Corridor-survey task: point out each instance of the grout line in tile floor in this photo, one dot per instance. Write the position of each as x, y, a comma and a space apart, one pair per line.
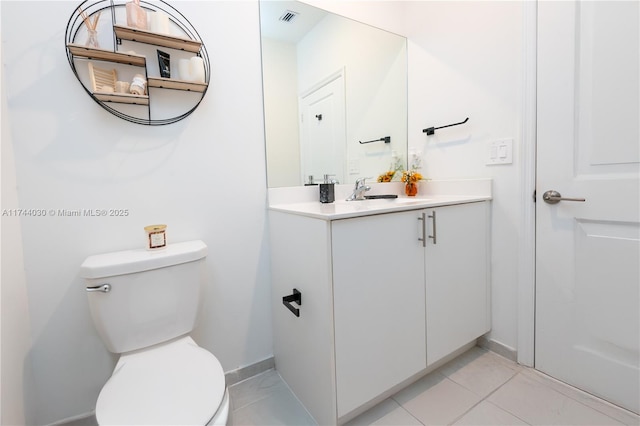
485, 400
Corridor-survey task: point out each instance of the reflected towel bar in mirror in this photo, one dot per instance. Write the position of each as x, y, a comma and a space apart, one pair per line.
386, 139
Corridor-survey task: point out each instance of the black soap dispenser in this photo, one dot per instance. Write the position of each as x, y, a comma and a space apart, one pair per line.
327, 193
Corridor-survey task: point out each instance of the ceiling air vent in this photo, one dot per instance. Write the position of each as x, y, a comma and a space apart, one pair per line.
288, 16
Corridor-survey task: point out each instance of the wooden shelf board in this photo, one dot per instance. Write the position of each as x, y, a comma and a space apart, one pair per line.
164, 40
122, 98
106, 55
172, 83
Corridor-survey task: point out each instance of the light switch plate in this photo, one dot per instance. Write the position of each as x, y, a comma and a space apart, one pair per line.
500, 152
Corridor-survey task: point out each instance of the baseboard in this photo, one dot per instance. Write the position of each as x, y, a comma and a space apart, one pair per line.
243, 373
499, 348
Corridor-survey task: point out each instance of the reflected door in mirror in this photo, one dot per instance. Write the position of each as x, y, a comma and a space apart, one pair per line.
322, 139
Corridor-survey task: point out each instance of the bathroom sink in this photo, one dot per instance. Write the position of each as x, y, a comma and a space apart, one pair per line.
412, 200
408, 200
384, 202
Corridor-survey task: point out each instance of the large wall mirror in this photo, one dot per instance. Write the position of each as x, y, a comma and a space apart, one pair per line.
335, 94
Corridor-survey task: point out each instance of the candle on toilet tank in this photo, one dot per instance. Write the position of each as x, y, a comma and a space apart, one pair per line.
156, 236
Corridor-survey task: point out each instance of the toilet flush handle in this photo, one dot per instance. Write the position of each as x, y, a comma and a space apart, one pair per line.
104, 288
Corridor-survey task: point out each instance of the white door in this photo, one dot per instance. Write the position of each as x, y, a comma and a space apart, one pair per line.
323, 137
588, 253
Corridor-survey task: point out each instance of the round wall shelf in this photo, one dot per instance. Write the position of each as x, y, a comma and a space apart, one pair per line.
141, 61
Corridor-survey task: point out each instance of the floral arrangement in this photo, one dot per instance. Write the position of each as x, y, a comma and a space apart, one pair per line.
411, 176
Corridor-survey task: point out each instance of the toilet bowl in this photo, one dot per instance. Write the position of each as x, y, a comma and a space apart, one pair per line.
144, 306
175, 383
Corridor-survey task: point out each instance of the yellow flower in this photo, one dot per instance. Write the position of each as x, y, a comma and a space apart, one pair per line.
387, 176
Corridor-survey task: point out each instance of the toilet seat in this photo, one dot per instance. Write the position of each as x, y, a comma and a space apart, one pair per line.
177, 383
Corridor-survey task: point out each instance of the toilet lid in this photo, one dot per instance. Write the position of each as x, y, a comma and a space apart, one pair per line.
178, 383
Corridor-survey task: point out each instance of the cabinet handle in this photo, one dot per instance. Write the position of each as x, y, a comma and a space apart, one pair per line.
433, 219
295, 297
424, 230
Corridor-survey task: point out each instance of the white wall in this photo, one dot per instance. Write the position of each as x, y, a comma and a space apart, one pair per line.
203, 176
14, 308
465, 60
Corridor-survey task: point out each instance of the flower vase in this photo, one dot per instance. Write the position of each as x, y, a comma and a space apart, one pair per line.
92, 39
411, 189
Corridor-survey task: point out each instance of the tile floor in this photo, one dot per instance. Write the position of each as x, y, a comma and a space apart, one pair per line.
477, 388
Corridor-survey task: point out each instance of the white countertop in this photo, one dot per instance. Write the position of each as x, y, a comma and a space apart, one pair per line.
304, 200
341, 209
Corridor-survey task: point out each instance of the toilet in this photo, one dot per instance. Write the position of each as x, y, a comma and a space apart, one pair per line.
144, 305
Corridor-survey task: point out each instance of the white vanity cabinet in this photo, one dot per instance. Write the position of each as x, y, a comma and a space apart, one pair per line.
378, 304
457, 255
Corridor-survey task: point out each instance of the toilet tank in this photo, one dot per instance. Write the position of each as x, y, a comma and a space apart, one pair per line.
151, 296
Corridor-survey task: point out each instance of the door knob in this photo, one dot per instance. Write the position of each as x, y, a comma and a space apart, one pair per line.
554, 197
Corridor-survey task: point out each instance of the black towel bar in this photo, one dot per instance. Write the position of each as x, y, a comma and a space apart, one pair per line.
432, 130
295, 297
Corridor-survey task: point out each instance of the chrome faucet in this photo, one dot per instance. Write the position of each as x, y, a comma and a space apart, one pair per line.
359, 190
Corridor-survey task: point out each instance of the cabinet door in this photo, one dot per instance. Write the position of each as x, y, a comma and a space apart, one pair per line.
456, 269
378, 289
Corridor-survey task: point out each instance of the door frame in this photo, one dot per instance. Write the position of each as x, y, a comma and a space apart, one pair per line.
527, 246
